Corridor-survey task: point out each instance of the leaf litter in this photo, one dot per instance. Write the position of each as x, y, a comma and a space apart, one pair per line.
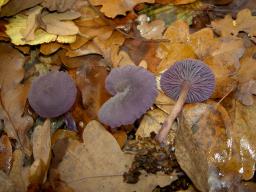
211, 145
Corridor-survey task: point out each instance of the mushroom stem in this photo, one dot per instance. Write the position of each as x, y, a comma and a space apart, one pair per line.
163, 133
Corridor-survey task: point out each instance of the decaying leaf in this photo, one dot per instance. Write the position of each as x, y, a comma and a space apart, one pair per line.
203, 145
60, 23
90, 80
3, 2
5, 154
18, 23
81, 168
18, 173
13, 96
41, 141
6, 183
246, 91
221, 54
152, 30
59, 5
14, 6
49, 48
245, 22
112, 8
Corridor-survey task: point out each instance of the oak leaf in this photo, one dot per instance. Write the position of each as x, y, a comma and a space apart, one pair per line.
17, 26
245, 22
99, 164
112, 8
13, 96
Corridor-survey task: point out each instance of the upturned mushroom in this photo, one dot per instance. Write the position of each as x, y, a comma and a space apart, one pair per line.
187, 81
134, 91
53, 94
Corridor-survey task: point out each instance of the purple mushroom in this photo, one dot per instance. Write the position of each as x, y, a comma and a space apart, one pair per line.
134, 90
187, 81
53, 94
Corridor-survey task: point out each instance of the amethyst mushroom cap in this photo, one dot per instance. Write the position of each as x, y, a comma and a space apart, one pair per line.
53, 94
187, 81
134, 91
192, 71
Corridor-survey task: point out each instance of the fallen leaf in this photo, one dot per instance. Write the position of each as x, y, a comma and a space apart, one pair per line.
3, 2
6, 183
5, 154
204, 146
151, 122
81, 164
59, 5
243, 135
245, 22
246, 91
32, 23
49, 48
13, 96
14, 6
41, 141
62, 134
121, 137
113, 8
18, 23
18, 173
90, 80
152, 30
60, 23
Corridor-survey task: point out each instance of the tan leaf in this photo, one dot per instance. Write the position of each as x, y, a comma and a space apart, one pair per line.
14, 6
6, 183
80, 167
18, 24
18, 173
112, 8
13, 96
49, 48
61, 23
41, 141
5, 154
152, 30
58, 5
204, 147
244, 22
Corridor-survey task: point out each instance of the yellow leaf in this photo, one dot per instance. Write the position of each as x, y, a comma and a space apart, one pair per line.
17, 26
3, 2
112, 8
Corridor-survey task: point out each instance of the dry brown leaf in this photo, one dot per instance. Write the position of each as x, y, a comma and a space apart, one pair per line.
13, 96
90, 80
244, 22
18, 173
41, 141
62, 134
59, 5
32, 23
151, 122
112, 8
60, 23
246, 91
49, 48
14, 6
243, 134
204, 146
121, 137
5, 154
152, 30
99, 164
6, 183
221, 54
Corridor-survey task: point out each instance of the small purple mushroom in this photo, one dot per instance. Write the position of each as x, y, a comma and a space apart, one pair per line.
53, 94
187, 81
134, 90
